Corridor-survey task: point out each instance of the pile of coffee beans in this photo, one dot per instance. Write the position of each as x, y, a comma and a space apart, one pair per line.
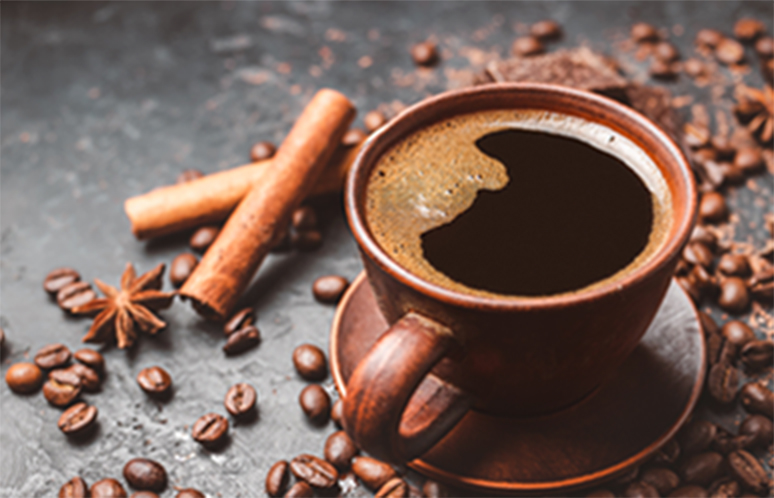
67, 288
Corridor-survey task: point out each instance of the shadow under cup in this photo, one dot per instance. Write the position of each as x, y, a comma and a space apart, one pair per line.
524, 356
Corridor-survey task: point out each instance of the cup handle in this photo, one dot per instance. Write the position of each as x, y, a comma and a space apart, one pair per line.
395, 409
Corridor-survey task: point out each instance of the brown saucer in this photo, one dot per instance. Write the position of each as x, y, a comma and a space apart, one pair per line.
618, 426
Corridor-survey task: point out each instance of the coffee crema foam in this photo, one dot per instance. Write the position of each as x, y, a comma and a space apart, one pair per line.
432, 176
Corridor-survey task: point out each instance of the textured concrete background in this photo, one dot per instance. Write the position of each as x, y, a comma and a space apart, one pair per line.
104, 101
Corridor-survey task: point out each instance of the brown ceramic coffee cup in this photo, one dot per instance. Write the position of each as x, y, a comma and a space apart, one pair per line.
448, 351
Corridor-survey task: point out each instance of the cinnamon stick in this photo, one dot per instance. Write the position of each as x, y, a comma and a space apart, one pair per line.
210, 199
230, 263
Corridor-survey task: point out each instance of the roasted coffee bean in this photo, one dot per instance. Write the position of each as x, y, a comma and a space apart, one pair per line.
24, 378
300, 490
724, 147
760, 428
314, 471
74, 488
748, 30
709, 37
315, 403
644, 32
91, 359
697, 136
748, 470
59, 279
190, 493
107, 488
144, 494
424, 53
702, 468
666, 52
703, 281
203, 238
181, 268
89, 379
736, 335
725, 488
434, 489
757, 355
210, 429
708, 324
261, 151
546, 30
527, 46
729, 52
663, 70
66, 376
337, 412
698, 254
734, 265
764, 47
77, 419
372, 472
664, 480
640, 490
668, 454
394, 488
242, 340
339, 450
713, 208
723, 382
60, 394
374, 120
725, 442
714, 347
142, 473
353, 136
763, 292
748, 159
310, 362
240, 399
239, 320
74, 295
53, 356
689, 286
734, 296
731, 174
307, 240
601, 493
330, 288
277, 479
189, 175
696, 436
304, 218
757, 398
694, 68
154, 380
689, 492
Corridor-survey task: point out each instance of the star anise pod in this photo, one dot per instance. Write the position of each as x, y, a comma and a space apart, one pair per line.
129, 310
755, 109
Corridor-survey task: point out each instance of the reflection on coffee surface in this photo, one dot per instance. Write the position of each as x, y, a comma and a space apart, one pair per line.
521, 203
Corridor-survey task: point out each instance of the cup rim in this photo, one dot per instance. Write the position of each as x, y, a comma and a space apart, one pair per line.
638, 122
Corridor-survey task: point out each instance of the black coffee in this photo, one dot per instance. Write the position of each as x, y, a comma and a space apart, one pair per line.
570, 215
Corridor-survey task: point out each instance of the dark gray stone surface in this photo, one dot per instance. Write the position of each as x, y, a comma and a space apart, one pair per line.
104, 101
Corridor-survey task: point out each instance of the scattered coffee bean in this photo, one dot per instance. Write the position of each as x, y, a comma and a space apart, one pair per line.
277, 479
527, 46
757, 355
190, 493
725, 442
74, 488
240, 399
689, 492
434, 489
24, 378
709, 38
748, 30
77, 419
372, 472
731, 174
662, 479
757, 398
663, 70
91, 359
310, 362
60, 278
374, 120
546, 30
698, 254
339, 450
748, 159
262, 151
239, 320
307, 240
394, 488
107, 488
764, 47
181, 268
74, 295
142, 473
734, 265
723, 382
694, 68
703, 281
712, 208
353, 136
702, 468
668, 454
60, 394
210, 429
242, 340
144, 494
304, 218
696, 136
666, 52
52, 356
734, 296
644, 32
424, 54
703, 235
315, 403
203, 238
89, 379
760, 428
640, 490
314, 471
330, 288
725, 488
749, 471
696, 436
737, 334
729, 52
189, 175
337, 412
724, 147
300, 490
154, 380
